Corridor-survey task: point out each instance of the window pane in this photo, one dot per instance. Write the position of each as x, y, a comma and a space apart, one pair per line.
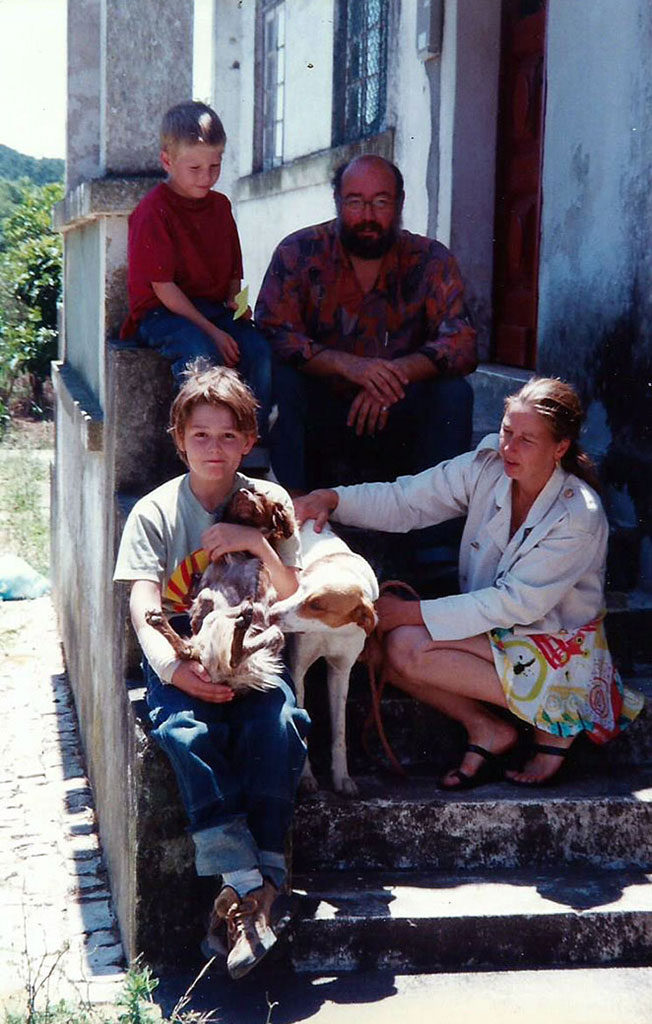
373, 12
354, 60
373, 52
278, 143
371, 101
360, 65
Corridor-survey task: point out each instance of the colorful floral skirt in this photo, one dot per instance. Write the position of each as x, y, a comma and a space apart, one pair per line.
564, 683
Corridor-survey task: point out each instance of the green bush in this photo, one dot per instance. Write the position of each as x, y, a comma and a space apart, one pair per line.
30, 286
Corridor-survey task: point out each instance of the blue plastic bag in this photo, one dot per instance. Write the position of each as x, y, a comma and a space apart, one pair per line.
18, 581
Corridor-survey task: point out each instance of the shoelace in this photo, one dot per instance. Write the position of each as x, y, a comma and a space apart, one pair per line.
237, 915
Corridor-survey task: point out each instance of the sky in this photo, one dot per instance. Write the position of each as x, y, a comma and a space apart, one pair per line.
33, 74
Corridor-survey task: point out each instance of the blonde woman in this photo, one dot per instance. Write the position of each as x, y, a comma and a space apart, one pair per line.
526, 632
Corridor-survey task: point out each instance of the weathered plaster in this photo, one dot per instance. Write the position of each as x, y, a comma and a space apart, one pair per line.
146, 67
83, 112
595, 300
227, 87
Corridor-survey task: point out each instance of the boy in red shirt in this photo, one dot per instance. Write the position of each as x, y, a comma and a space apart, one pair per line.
185, 263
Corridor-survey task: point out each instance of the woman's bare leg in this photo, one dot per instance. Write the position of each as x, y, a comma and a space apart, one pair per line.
455, 677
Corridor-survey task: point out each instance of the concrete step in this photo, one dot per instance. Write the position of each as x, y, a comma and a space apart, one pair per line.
455, 922
603, 820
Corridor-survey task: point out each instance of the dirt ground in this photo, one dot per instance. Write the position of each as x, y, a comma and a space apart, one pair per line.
26, 432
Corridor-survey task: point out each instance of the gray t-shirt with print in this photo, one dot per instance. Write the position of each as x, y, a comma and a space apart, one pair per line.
165, 527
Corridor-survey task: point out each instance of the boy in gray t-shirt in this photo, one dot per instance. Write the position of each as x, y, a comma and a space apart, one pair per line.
237, 762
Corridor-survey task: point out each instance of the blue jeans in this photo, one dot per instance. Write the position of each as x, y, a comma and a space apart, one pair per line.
180, 341
237, 766
311, 445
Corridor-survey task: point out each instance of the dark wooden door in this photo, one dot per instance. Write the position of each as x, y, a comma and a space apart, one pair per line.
518, 182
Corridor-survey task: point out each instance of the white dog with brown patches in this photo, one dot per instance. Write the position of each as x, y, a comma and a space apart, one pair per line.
330, 615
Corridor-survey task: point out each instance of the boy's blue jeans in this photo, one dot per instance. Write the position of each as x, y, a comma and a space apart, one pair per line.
180, 341
238, 766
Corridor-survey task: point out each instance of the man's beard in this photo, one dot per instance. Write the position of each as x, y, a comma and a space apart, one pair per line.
372, 247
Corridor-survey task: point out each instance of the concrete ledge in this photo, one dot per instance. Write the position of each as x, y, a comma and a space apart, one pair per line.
100, 197
491, 385
162, 856
80, 404
140, 390
314, 169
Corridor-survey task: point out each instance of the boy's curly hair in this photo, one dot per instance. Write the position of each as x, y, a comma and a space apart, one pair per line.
214, 385
189, 124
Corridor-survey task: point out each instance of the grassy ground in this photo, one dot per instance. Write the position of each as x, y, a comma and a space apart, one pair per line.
25, 491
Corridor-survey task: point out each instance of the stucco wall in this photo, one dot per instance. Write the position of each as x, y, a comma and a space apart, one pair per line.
596, 267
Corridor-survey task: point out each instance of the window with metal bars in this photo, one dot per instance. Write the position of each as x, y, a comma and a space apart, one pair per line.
271, 103
359, 69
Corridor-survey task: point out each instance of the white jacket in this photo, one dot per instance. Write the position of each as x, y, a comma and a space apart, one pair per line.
548, 577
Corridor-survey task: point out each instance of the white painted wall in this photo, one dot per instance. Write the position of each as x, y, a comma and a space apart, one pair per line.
264, 222
408, 110
309, 76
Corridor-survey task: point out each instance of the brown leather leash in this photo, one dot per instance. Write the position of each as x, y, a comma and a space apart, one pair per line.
373, 656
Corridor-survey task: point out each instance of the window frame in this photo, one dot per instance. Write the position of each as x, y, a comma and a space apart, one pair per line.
266, 157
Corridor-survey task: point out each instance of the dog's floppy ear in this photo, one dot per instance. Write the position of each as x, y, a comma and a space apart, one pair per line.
364, 616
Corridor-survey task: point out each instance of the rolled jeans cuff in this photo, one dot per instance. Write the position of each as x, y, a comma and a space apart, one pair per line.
273, 866
226, 847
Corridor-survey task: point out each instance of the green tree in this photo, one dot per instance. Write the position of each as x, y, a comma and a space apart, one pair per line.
30, 285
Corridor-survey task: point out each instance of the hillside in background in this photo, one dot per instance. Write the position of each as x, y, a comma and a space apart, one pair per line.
15, 165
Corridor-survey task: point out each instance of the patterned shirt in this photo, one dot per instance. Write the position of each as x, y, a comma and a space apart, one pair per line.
311, 299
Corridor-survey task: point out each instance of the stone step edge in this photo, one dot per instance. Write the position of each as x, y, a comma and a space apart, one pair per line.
499, 892
436, 945
506, 924
627, 784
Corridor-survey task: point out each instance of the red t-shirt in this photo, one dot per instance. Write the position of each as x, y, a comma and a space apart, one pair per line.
192, 242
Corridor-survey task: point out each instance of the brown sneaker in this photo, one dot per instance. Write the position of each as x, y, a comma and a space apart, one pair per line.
250, 934
216, 941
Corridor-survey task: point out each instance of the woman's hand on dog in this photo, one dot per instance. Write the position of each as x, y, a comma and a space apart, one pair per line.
192, 678
317, 505
393, 612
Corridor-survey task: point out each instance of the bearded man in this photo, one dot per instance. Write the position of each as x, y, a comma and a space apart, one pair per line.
371, 341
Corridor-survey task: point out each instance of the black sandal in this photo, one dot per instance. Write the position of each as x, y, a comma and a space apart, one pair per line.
551, 780
487, 772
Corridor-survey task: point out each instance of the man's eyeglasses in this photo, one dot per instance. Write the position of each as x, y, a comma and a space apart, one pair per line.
379, 205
